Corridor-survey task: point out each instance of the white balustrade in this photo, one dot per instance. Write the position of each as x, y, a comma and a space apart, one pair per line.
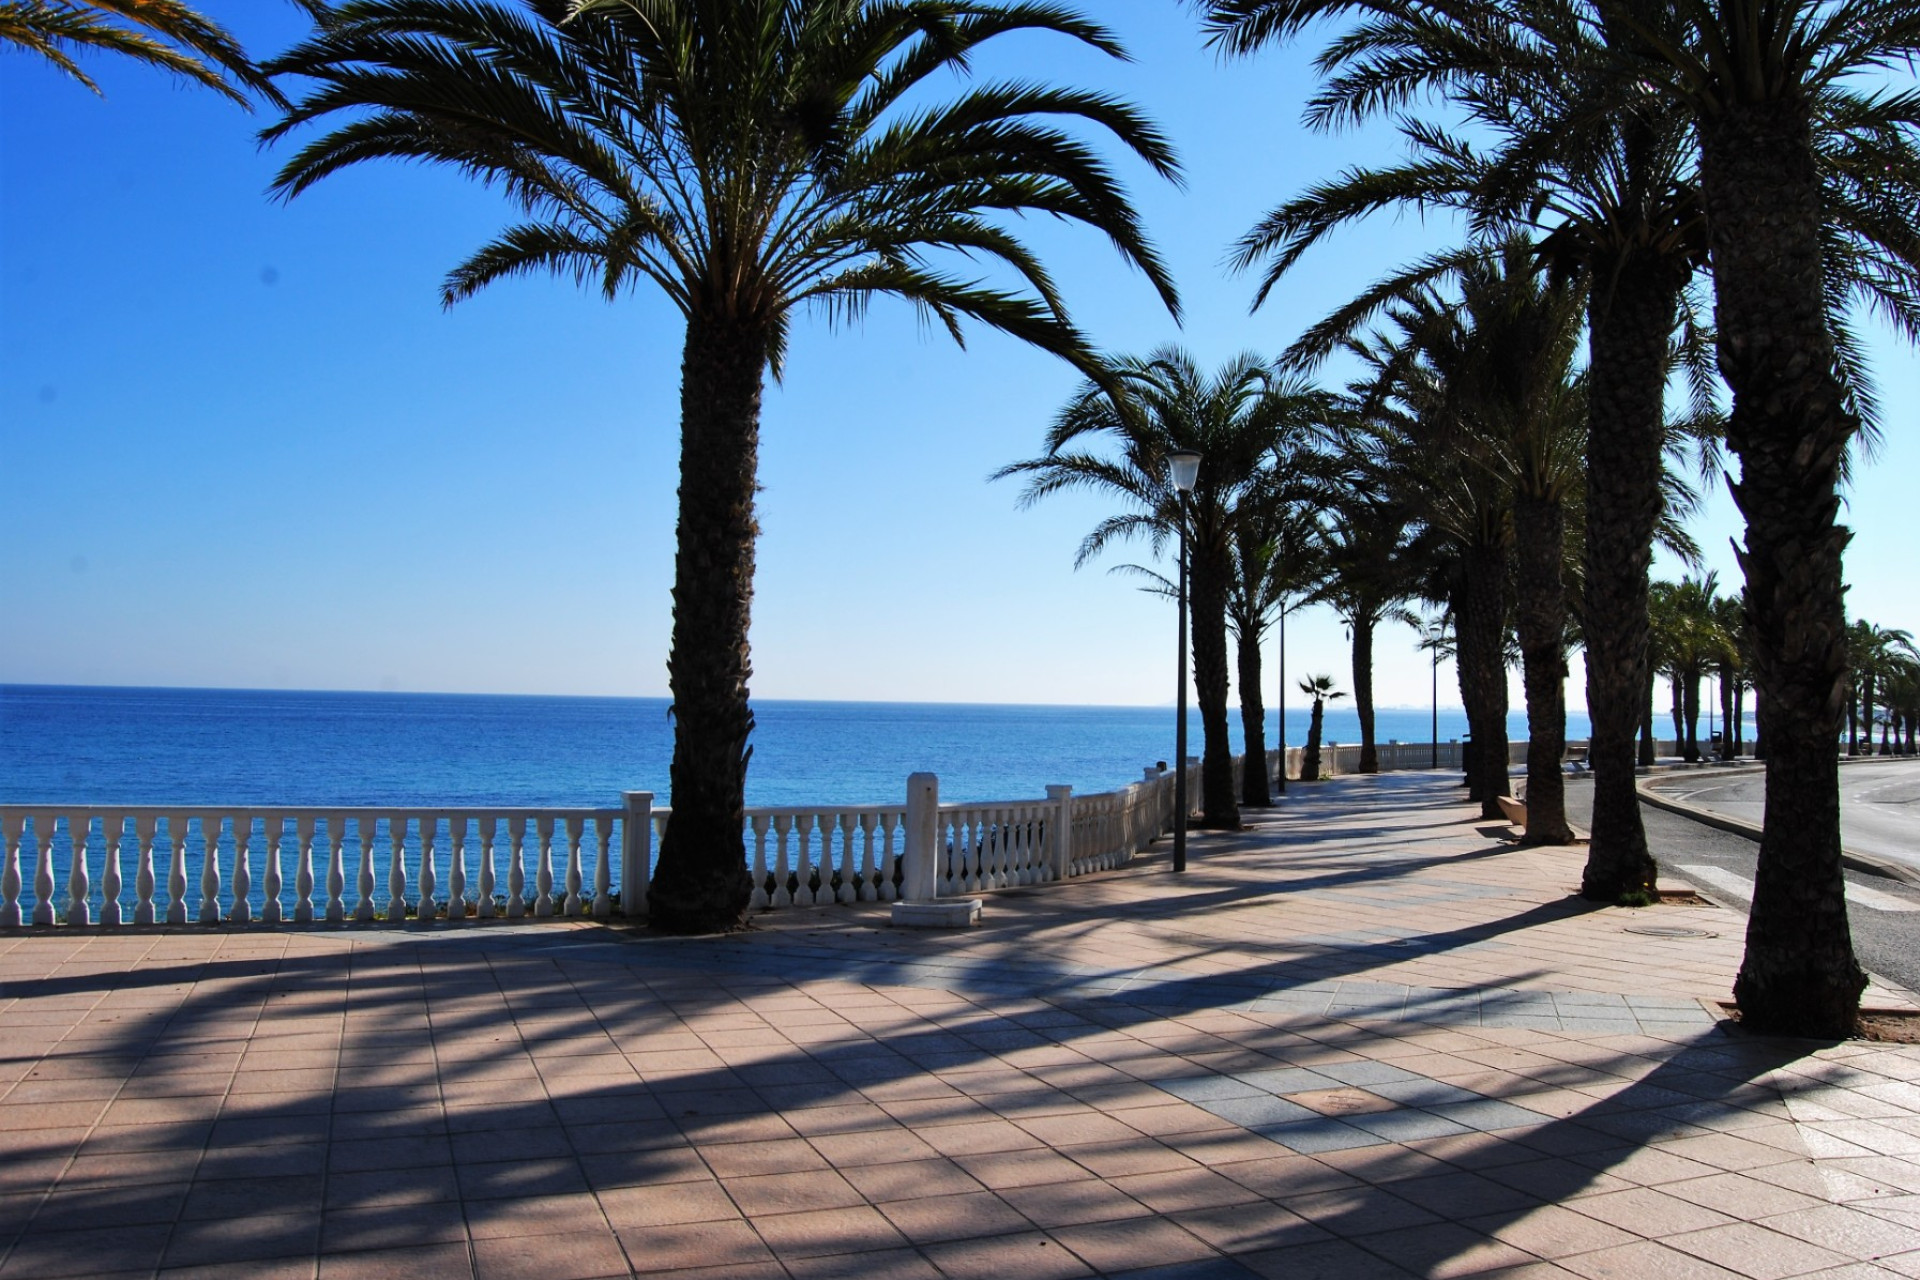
795, 856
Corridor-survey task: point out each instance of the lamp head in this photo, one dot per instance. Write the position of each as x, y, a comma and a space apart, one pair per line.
1185, 464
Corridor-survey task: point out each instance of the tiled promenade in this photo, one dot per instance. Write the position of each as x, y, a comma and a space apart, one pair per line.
1363, 1039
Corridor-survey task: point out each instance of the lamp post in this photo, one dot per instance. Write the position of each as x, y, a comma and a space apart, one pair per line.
1185, 466
1282, 702
1436, 633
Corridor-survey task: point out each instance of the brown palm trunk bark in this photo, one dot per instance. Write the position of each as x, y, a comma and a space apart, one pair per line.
1540, 617
1630, 321
1690, 708
1212, 575
1649, 750
1254, 790
1310, 754
1363, 623
1481, 638
700, 883
1789, 426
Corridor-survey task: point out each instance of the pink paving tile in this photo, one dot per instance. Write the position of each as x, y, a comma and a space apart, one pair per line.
575, 1257
448, 1260
1028, 1256
684, 1248
856, 1229
979, 1214
671, 1205
1060, 1204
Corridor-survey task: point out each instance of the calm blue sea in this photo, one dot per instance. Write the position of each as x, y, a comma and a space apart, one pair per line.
97, 745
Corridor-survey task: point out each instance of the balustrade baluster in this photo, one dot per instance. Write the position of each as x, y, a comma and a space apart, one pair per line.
210, 868
489, 828
79, 835
397, 868
803, 863
114, 827
570, 906
516, 867
146, 827
273, 832
782, 889
761, 897
543, 871
43, 868
304, 827
242, 868
336, 909
869, 883
457, 873
13, 825
177, 867
429, 874
851, 880
366, 828
603, 869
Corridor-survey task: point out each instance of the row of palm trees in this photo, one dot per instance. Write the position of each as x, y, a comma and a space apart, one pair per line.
751, 157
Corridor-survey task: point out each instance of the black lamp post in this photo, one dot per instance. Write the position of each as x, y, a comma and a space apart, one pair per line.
1185, 466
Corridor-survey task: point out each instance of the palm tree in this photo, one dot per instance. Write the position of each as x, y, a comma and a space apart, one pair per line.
1321, 690
1800, 176
1872, 652
747, 157
1276, 557
1150, 408
1606, 192
167, 34
1366, 535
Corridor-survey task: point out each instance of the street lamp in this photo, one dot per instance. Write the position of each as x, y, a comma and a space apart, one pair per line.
1185, 465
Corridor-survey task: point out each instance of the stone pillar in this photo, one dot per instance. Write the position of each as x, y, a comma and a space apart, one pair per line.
636, 853
1060, 844
921, 906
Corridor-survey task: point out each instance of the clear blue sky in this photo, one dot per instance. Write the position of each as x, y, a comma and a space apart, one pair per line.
241, 444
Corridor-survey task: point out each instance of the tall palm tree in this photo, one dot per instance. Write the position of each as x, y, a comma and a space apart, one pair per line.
1605, 190
1801, 176
168, 34
1872, 653
747, 157
1148, 409
1277, 555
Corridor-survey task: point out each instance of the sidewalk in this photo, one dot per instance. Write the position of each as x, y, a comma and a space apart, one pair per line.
1362, 1039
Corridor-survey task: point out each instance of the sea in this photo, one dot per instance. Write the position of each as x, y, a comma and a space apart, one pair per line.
99, 745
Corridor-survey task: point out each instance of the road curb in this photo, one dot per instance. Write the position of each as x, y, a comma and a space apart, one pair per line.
1863, 863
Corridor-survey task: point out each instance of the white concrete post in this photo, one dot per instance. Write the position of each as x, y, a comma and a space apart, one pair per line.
921, 881
636, 853
921, 906
1061, 826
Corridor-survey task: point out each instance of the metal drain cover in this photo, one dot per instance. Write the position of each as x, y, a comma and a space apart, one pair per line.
1669, 931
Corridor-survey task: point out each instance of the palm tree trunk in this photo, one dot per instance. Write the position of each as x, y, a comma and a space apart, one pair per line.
1853, 723
1629, 328
1675, 685
1481, 638
1789, 425
1310, 754
1540, 616
700, 883
1726, 712
1649, 751
1212, 575
1254, 791
1690, 705
1363, 622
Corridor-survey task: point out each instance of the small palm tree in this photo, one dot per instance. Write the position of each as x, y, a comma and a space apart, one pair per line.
1148, 409
749, 158
167, 34
1320, 689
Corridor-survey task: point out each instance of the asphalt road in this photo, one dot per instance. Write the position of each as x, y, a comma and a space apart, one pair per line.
1884, 913
1879, 803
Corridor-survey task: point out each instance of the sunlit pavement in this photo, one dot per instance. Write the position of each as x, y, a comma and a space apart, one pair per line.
1366, 1037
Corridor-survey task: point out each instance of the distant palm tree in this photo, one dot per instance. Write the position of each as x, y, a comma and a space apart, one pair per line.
748, 158
167, 34
1321, 690
1148, 409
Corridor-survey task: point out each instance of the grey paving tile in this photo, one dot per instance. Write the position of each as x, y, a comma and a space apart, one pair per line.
1257, 1111
1311, 1137
1208, 1088
1488, 1115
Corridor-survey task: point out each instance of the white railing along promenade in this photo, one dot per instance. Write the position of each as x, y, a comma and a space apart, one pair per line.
204, 864
80, 865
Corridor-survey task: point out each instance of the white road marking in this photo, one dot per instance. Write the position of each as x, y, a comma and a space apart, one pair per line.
1741, 887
